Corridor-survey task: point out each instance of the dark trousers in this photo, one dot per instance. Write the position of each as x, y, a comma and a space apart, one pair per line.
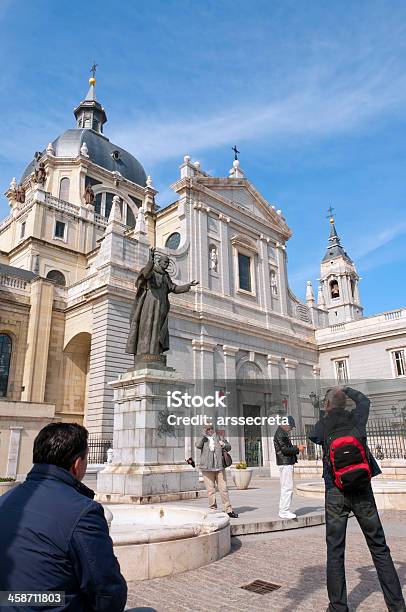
362, 504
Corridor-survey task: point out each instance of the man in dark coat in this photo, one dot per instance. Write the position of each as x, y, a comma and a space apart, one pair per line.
361, 502
53, 536
286, 457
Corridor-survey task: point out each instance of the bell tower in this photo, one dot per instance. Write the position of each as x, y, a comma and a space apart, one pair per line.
339, 281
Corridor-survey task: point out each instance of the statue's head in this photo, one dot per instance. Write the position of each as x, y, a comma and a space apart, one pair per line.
163, 262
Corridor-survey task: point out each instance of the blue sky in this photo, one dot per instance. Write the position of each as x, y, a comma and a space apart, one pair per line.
313, 94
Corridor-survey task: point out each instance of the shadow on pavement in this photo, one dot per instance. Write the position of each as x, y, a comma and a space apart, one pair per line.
369, 583
140, 609
311, 579
308, 510
235, 545
243, 509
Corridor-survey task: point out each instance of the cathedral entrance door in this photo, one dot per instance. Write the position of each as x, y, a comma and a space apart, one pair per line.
252, 437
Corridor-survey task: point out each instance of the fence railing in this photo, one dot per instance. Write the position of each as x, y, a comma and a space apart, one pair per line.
98, 450
386, 440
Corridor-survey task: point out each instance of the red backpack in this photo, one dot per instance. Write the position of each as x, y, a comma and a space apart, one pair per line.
347, 456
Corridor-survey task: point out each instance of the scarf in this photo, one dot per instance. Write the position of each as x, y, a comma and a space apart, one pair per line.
211, 440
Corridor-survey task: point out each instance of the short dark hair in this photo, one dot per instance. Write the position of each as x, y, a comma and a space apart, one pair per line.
60, 444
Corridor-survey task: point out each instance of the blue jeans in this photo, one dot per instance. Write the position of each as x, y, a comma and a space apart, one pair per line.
362, 504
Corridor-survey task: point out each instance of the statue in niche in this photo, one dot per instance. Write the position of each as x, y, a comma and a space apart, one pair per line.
40, 174
274, 283
213, 258
19, 194
89, 195
149, 337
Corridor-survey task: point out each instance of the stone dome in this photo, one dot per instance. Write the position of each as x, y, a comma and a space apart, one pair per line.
101, 152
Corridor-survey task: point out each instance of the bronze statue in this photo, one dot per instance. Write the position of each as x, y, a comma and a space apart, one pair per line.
89, 195
149, 315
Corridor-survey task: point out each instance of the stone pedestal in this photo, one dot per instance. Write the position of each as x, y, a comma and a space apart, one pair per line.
149, 455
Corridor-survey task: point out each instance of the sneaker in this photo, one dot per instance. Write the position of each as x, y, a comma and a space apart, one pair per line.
287, 515
232, 514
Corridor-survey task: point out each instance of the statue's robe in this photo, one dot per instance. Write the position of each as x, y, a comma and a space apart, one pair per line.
149, 314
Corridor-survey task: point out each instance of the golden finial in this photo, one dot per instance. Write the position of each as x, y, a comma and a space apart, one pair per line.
92, 80
330, 215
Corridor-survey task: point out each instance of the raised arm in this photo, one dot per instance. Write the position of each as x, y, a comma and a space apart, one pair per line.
317, 435
362, 404
146, 271
184, 288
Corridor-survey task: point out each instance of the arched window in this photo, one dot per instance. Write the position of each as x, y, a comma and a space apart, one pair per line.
64, 189
334, 289
57, 277
173, 241
5, 356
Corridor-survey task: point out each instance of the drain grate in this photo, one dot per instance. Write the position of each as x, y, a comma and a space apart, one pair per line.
261, 587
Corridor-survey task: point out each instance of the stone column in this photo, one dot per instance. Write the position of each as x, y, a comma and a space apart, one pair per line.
203, 246
276, 402
230, 376
226, 274
13, 451
203, 358
263, 269
282, 277
293, 407
39, 329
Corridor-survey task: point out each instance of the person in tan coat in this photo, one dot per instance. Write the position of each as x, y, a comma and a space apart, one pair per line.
212, 467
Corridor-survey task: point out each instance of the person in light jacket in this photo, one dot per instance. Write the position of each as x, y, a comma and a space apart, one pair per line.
212, 467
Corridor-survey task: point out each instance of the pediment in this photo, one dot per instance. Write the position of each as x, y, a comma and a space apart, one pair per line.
246, 197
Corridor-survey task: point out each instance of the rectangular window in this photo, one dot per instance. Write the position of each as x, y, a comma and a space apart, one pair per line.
22, 230
98, 203
244, 272
109, 204
399, 362
341, 370
60, 229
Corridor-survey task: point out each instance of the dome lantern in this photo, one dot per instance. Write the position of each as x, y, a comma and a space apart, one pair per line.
90, 113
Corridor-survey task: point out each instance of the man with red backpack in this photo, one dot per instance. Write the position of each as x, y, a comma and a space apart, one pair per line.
348, 467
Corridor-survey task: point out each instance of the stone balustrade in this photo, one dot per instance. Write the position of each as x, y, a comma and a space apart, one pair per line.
100, 220
61, 204
14, 282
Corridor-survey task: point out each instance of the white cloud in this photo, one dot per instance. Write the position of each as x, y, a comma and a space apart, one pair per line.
319, 104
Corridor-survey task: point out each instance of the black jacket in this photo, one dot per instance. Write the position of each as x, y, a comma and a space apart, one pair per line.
54, 537
357, 418
286, 452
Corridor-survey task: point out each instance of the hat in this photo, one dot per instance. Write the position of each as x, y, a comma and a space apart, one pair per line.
291, 421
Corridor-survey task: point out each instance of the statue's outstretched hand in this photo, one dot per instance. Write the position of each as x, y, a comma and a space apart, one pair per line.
193, 283
151, 253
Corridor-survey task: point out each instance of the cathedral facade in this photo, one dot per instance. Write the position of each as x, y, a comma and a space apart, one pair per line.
82, 220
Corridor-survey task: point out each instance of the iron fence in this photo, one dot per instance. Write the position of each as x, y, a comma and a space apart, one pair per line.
386, 439
253, 453
98, 450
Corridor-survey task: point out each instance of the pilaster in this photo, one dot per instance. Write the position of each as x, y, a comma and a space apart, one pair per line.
39, 328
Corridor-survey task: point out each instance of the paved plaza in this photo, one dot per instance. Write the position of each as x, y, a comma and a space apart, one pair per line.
294, 560
258, 507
